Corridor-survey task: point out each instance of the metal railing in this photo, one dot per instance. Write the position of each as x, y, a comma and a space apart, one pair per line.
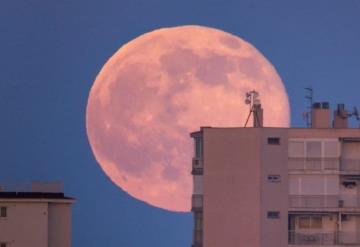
312, 238
324, 238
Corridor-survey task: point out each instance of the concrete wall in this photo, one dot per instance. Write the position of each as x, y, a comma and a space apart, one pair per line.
232, 184
59, 225
274, 195
26, 224
36, 223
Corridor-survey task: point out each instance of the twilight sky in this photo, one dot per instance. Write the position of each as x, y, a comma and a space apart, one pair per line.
51, 52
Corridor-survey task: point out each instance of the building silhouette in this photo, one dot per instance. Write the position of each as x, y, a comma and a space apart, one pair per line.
277, 187
38, 217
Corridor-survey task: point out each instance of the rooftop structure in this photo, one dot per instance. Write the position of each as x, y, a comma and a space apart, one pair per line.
277, 187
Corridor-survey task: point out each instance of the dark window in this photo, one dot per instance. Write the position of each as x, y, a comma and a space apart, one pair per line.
2, 244
274, 178
274, 140
198, 147
273, 214
3, 212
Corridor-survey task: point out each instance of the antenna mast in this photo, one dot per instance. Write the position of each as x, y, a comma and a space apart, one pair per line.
308, 114
252, 99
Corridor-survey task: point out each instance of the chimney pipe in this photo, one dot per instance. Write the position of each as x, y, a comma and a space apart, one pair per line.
321, 115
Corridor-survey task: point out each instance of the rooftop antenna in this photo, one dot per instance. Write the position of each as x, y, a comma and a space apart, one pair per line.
252, 99
310, 97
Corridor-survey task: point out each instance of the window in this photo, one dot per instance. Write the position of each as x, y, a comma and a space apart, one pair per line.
198, 147
296, 149
3, 212
2, 244
274, 178
273, 214
310, 222
274, 140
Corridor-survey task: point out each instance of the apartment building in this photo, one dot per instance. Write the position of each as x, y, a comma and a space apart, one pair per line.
277, 187
38, 217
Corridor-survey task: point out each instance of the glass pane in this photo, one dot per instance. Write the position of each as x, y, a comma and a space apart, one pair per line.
294, 185
313, 149
331, 149
296, 149
304, 222
198, 147
312, 185
316, 222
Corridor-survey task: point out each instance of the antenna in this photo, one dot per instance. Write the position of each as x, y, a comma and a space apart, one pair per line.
252, 99
310, 97
355, 113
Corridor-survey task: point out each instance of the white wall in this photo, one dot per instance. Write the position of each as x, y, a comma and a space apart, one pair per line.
26, 224
36, 223
59, 225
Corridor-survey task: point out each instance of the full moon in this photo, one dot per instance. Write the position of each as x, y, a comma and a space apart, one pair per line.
161, 86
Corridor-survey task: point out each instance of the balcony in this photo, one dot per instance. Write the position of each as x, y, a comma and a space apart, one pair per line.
197, 166
350, 165
197, 203
324, 238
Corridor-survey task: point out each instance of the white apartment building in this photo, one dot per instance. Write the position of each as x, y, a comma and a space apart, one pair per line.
40, 217
278, 187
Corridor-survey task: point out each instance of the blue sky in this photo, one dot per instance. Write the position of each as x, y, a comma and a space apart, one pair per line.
51, 51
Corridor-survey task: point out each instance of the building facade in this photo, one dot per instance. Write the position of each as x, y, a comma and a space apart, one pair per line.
275, 187
36, 218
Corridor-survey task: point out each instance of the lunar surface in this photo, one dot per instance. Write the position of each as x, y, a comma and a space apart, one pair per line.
163, 85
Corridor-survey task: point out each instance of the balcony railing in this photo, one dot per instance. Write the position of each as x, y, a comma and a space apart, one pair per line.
312, 238
324, 201
351, 165
349, 201
197, 166
324, 238
197, 238
348, 238
315, 164
313, 201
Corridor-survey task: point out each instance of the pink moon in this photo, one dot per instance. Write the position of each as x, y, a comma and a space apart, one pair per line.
161, 86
